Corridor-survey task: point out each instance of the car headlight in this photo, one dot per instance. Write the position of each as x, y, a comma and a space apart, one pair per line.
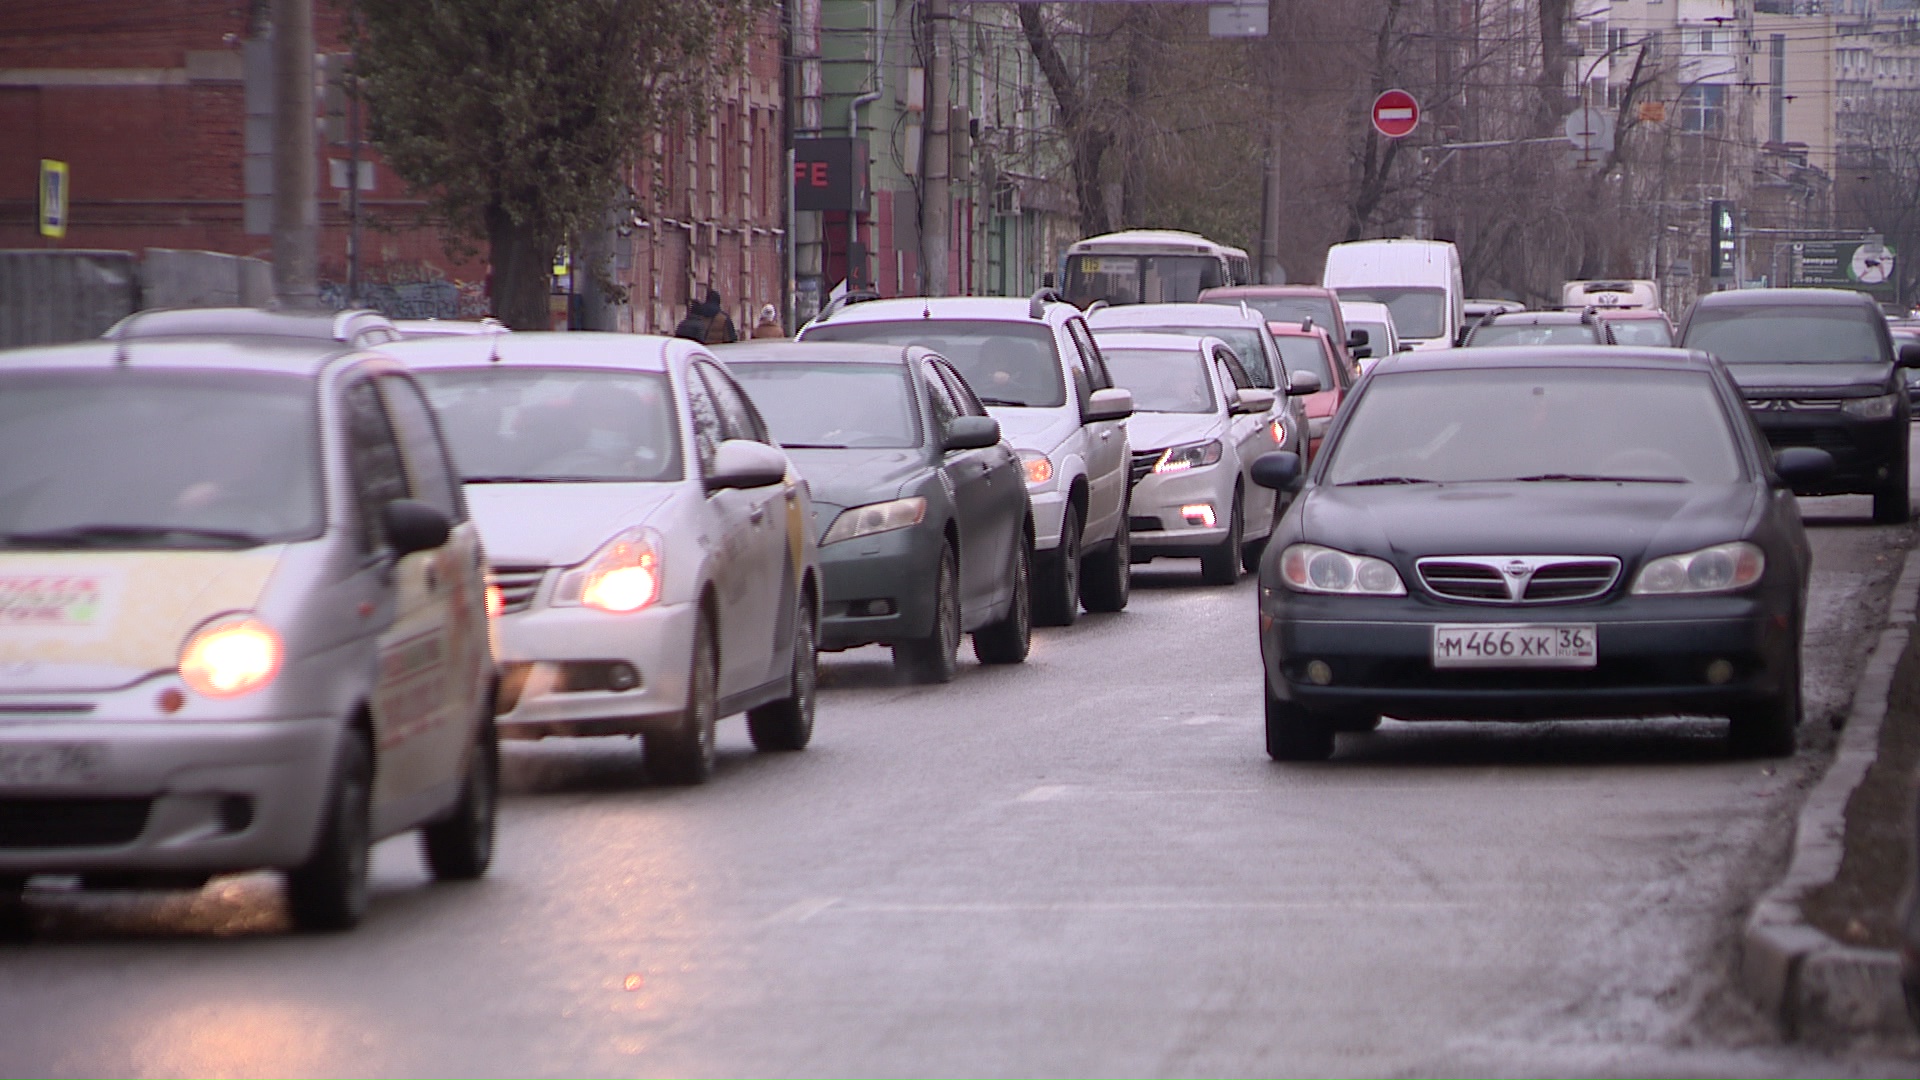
1721, 568
1038, 465
875, 518
1872, 408
1315, 569
622, 577
1191, 456
230, 656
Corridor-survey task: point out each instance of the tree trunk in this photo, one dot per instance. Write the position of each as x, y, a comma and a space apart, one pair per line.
522, 272
1087, 141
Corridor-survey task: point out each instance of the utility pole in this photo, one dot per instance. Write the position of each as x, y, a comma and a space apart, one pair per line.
936, 202
296, 218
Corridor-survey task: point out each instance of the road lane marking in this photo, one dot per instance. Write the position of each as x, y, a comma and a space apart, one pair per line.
1043, 793
801, 910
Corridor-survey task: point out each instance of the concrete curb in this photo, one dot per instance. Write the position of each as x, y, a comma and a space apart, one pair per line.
1818, 989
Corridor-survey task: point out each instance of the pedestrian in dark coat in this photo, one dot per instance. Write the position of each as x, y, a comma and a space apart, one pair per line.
708, 322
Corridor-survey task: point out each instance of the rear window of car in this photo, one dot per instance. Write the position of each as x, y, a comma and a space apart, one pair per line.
1641, 332
171, 459
1006, 363
1163, 380
1543, 423
1283, 308
510, 424
1533, 334
833, 406
1243, 340
1788, 334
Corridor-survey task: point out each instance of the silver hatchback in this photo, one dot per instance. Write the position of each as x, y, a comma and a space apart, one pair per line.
242, 621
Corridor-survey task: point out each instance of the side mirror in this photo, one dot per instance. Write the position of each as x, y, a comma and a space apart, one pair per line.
414, 526
1356, 339
970, 433
1804, 465
1910, 356
1113, 403
740, 463
1252, 400
1278, 469
1362, 351
1302, 383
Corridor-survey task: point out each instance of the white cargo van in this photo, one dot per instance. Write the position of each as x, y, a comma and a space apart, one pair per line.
1418, 280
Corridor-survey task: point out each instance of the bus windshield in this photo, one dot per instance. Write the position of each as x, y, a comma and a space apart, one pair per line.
1141, 279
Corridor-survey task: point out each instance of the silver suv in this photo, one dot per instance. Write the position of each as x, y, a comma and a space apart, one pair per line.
1035, 366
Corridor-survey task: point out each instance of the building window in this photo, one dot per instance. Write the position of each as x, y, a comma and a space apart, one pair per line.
1703, 109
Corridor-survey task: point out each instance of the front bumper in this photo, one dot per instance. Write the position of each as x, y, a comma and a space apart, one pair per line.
1049, 516
552, 661
878, 589
105, 794
1865, 452
1652, 658
1159, 529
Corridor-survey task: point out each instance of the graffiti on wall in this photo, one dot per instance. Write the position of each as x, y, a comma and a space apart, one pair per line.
407, 291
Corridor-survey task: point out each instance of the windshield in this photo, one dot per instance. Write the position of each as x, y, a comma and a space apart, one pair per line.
1162, 380
1562, 423
1141, 279
1533, 334
1305, 354
1787, 335
1244, 340
831, 405
1285, 308
1417, 313
178, 459
551, 424
1006, 363
1641, 332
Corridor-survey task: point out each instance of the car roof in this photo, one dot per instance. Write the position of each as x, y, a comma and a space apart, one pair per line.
980, 308
1533, 318
1645, 357
1603, 312
435, 327
1788, 298
1253, 292
1294, 329
542, 348
1156, 339
1195, 314
284, 355
839, 352
357, 325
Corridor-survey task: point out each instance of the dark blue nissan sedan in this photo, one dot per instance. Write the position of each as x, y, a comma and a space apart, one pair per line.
1537, 533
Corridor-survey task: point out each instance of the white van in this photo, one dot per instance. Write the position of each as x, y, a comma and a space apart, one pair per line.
1635, 293
1419, 280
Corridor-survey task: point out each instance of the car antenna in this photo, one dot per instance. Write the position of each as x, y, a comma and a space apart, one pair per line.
494, 355
1306, 323
926, 307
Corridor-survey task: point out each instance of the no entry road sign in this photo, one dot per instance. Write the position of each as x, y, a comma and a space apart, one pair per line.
1395, 114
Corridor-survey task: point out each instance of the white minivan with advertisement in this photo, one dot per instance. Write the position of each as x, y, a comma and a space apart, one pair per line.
1418, 280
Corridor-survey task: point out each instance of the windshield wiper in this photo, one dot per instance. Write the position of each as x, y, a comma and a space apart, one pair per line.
1584, 478
1003, 401
108, 535
1378, 481
519, 479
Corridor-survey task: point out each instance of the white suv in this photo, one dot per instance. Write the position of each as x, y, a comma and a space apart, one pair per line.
1034, 364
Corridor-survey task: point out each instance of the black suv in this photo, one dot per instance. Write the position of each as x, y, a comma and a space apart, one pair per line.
1818, 369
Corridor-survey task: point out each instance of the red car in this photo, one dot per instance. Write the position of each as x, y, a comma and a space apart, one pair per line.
1308, 347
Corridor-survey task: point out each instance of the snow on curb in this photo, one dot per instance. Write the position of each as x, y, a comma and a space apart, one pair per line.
1816, 988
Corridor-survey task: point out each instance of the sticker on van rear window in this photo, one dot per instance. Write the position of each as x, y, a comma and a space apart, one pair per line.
51, 601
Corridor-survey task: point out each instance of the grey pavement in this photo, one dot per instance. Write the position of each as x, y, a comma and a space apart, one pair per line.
1084, 865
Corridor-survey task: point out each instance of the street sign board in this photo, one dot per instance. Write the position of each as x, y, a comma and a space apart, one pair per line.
1865, 265
1239, 19
1395, 114
830, 174
53, 198
1590, 130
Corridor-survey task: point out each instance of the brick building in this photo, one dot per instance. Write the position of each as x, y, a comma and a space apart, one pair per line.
148, 103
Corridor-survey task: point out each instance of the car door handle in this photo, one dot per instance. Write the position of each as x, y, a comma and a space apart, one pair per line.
757, 515
1107, 434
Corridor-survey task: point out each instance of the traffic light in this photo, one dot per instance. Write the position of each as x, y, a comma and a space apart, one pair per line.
1725, 239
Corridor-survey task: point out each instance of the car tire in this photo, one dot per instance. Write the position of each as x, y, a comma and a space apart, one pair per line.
787, 723
1008, 639
1770, 729
936, 657
460, 847
328, 892
1891, 505
1107, 574
685, 754
1221, 566
1056, 595
1295, 734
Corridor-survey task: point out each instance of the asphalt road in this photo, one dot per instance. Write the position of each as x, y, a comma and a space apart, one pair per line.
1085, 865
